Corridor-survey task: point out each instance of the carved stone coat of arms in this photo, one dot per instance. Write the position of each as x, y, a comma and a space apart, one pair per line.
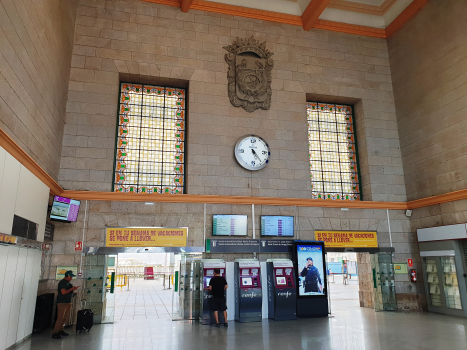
249, 74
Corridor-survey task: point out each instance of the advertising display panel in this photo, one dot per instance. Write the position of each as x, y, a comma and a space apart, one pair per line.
309, 259
64, 209
229, 225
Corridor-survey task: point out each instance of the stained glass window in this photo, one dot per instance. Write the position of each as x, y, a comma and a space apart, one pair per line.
150, 152
332, 147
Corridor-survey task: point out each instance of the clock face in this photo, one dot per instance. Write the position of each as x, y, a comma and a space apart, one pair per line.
252, 152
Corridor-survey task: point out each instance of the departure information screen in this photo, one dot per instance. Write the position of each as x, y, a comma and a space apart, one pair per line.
229, 225
281, 226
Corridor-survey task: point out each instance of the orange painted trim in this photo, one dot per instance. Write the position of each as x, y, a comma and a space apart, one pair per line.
350, 29
212, 199
311, 14
439, 199
20, 155
26, 160
270, 16
410, 11
185, 5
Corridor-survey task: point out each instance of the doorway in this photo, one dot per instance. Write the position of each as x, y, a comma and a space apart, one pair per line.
142, 286
343, 282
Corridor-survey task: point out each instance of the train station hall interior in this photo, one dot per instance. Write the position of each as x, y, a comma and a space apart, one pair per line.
232, 174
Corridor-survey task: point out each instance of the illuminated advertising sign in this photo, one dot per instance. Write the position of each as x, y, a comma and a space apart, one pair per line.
309, 259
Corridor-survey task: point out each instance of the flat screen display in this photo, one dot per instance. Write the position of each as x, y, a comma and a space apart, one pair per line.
245, 272
229, 225
279, 272
280, 226
247, 281
280, 281
310, 269
64, 209
209, 272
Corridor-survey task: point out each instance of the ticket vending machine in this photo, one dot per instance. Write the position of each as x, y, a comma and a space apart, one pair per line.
248, 293
282, 293
207, 269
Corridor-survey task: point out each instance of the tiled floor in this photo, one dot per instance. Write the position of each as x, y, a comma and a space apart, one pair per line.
349, 328
146, 299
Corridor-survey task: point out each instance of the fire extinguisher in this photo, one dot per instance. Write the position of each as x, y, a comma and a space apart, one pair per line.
413, 275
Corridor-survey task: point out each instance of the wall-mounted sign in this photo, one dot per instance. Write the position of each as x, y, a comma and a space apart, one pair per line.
49, 232
249, 246
276, 246
400, 268
45, 246
62, 269
7, 238
232, 245
351, 239
146, 237
78, 245
410, 262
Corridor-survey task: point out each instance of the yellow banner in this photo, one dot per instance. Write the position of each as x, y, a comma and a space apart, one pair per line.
7, 238
146, 237
353, 239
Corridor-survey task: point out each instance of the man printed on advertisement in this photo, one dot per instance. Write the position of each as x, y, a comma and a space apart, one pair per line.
312, 278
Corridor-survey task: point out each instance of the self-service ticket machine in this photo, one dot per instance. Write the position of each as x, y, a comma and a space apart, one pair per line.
248, 294
207, 269
282, 293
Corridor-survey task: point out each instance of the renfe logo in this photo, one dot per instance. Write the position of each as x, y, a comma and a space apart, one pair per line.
286, 294
249, 295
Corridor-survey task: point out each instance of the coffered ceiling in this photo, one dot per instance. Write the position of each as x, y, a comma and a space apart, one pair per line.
378, 18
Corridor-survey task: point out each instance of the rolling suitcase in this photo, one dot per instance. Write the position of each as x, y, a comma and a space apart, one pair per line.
85, 319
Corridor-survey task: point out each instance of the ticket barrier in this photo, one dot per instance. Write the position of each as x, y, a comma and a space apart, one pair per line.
282, 293
248, 293
207, 268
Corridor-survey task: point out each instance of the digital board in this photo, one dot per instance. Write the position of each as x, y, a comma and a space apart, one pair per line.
229, 225
280, 226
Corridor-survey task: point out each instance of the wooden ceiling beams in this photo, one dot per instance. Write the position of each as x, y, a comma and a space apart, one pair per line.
314, 9
185, 5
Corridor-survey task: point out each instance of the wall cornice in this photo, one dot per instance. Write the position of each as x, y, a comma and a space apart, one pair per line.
26, 160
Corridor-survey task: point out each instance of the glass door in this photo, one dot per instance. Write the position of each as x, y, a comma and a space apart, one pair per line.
441, 282
432, 281
108, 307
384, 286
451, 287
186, 296
96, 291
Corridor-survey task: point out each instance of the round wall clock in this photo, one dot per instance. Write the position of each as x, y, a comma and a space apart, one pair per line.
252, 152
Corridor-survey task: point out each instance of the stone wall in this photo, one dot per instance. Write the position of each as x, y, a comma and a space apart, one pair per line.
103, 214
429, 73
144, 42
36, 43
365, 281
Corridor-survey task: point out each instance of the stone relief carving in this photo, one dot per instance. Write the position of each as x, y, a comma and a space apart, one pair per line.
249, 74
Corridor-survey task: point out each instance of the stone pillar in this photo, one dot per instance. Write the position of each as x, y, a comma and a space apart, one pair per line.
365, 280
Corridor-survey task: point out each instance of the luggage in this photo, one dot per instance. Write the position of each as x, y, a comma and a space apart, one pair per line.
85, 319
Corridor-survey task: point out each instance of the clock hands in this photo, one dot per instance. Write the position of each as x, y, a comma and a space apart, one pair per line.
256, 156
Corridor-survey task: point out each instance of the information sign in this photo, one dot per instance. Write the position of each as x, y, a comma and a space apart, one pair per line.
353, 239
146, 237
